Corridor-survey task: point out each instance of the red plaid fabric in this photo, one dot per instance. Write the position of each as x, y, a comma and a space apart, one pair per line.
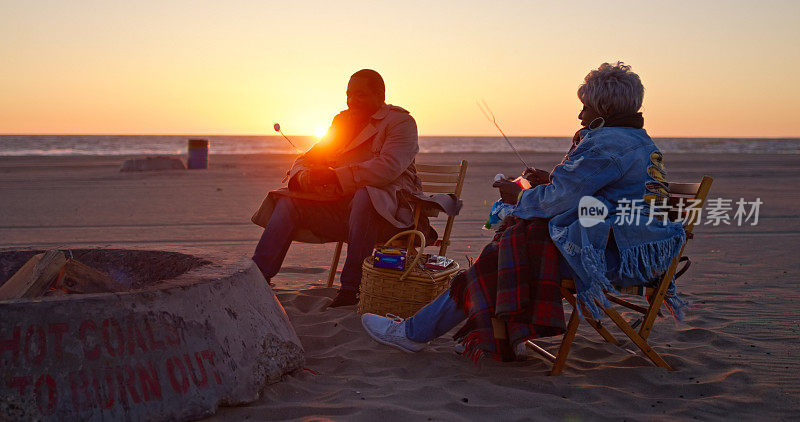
515, 279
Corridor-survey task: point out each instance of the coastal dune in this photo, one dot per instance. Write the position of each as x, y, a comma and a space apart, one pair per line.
736, 353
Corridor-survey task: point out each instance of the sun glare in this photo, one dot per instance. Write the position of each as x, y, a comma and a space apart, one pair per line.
320, 132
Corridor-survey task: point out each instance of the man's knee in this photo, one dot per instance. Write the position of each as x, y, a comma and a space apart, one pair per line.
285, 209
287, 203
364, 217
284, 202
362, 202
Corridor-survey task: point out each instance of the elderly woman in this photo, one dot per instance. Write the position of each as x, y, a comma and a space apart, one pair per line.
559, 228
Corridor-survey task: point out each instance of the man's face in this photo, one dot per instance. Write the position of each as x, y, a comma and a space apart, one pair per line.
362, 98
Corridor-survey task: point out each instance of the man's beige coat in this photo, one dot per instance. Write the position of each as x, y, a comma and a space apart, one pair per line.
380, 158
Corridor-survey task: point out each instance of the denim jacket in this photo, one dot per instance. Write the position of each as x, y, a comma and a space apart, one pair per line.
621, 168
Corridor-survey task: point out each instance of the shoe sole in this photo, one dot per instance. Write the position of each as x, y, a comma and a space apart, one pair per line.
384, 342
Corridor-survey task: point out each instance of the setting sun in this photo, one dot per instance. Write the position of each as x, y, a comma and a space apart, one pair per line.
320, 132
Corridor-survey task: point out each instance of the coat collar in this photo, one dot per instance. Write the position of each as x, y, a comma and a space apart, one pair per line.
381, 113
370, 130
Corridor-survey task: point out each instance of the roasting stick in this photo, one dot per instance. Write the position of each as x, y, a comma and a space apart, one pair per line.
487, 112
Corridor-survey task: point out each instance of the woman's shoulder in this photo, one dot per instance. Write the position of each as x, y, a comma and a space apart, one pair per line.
615, 141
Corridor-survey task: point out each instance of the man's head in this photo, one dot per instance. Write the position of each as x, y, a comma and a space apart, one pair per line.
612, 89
366, 92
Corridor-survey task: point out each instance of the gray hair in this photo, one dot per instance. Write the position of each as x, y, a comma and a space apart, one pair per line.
612, 89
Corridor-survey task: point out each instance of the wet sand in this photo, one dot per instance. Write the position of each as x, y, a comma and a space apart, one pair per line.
736, 354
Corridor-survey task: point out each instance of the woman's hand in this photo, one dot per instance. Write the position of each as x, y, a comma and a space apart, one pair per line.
536, 177
509, 191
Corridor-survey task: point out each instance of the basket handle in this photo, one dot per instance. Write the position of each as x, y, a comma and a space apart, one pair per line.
418, 256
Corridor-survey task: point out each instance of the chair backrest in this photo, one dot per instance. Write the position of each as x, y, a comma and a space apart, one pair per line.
687, 194
442, 179
686, 201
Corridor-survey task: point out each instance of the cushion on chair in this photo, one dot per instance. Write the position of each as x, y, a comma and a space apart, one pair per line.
436, 203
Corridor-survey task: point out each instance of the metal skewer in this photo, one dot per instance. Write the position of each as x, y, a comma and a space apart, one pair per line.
277, 127
487, 112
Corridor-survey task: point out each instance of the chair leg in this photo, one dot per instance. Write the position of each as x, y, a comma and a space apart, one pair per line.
598, 326
499, 329
566, 342
335, 263
636, 338
411, 239
658, 297
446, 236
540, 350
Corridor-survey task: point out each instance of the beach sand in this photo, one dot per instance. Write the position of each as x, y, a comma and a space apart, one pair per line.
736, 354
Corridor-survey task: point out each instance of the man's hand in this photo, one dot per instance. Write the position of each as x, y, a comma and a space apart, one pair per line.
319, 180
323, 176
300, 182
536, 177
509, 191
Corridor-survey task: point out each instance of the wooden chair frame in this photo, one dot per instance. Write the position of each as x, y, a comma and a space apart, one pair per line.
654, 295
435, 179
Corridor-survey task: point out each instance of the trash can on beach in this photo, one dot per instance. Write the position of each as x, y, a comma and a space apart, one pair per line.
198, 154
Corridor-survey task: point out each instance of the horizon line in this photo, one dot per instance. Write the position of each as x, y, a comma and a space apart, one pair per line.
421, 135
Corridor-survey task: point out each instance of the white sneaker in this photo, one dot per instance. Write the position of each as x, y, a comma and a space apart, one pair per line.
390, 331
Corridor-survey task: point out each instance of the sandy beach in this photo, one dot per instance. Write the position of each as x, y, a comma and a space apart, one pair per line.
736, 354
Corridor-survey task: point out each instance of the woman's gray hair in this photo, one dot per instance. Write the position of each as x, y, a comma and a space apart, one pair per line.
612, 89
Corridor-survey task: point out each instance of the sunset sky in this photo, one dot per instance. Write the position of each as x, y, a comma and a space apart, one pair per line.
724, 68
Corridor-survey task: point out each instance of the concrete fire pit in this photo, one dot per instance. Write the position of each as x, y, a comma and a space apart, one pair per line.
189, 337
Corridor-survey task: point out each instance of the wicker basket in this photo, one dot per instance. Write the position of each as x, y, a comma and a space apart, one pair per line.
402, 292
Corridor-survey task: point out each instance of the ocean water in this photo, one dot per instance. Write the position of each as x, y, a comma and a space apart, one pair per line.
27, 145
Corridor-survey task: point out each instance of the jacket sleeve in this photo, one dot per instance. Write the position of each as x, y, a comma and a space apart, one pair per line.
310, 157
584, 172
300, 163
396, 154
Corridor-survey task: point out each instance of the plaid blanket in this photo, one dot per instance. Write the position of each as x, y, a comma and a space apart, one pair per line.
516, 280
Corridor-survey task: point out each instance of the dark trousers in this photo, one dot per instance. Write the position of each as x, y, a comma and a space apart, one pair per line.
354, 221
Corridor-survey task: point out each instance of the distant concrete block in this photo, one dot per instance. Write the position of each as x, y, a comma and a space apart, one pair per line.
213, 336
152, 163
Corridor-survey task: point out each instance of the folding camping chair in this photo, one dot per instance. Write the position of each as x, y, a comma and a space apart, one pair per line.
447, 179
695, 192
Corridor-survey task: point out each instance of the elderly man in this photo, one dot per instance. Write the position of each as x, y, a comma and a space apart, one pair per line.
348, 187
